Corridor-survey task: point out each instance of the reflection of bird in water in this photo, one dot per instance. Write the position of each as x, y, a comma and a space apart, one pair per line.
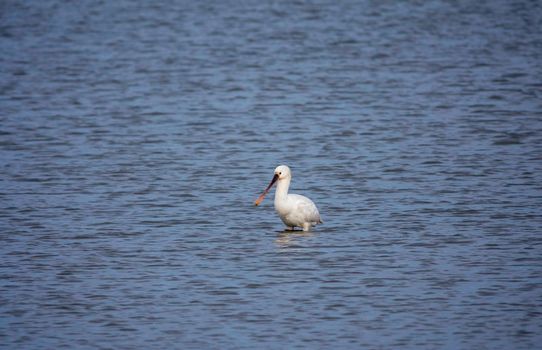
293, 209
287, 238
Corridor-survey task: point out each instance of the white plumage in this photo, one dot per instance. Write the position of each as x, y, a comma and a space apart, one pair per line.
293, 209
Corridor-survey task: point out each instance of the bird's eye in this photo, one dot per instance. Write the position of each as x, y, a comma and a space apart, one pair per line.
280, 173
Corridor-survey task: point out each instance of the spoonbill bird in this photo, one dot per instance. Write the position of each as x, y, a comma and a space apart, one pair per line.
293, 209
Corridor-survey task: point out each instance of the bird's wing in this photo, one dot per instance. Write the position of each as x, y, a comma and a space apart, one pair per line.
308, 208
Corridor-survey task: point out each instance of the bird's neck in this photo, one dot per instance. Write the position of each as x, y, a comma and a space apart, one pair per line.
282, 189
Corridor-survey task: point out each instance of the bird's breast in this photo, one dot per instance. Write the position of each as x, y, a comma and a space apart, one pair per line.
283, 207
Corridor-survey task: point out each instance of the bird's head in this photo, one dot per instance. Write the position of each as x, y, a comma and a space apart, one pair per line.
283, 172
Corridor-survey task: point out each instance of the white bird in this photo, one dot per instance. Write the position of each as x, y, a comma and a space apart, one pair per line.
293, 209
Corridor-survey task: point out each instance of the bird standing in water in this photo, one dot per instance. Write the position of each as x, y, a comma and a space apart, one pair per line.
293, 209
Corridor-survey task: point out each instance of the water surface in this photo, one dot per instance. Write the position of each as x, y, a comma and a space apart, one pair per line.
134, 139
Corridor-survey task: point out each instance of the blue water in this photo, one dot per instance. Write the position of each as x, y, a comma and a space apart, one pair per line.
135, 137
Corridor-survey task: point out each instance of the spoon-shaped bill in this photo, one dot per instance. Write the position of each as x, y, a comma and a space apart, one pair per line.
262, 196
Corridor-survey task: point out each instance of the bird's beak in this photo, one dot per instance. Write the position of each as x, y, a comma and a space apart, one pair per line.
262, 196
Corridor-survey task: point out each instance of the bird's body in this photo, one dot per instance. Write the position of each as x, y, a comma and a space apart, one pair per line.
293, 209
